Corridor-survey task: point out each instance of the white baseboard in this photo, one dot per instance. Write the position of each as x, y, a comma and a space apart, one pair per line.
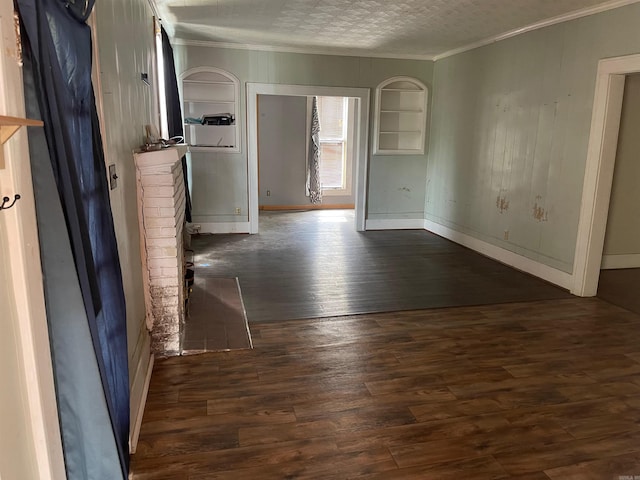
394, 224
611, 262
139, 389
550, 274
224, 227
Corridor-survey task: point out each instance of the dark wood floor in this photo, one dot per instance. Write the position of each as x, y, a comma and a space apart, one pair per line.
620, 287
537, 390
314, 264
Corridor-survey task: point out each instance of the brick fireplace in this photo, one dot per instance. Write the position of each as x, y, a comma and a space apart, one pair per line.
161, 210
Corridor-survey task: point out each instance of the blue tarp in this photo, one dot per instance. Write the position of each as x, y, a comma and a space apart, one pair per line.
78, 243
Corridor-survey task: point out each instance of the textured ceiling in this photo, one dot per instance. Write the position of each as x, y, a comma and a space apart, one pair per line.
367, 27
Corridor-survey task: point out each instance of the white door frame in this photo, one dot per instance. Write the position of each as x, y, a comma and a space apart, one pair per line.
598, 177
32, 334
360, 152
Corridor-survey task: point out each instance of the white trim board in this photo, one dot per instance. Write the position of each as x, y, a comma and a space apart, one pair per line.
348, 52
140, 388
361, 144
612, 262
550, 274
224, 227
395, 224
598, 176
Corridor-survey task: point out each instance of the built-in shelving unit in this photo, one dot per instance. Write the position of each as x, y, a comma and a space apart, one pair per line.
9, 126
400, 117
211, 92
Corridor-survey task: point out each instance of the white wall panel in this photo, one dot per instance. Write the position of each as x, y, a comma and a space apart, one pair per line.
215, 196
126, 49
510, 126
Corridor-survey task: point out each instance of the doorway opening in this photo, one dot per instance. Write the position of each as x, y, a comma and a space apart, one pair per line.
620, 270
285, 150
598, 178
352, 177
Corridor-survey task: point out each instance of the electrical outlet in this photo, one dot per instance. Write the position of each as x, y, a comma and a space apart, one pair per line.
506, 234
238, 210
268, 193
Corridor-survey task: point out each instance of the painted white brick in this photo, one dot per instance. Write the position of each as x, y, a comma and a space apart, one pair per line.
162, 252
159, 180
162, 262
165, 232
160, 222
152, 212
167, 212
161, 291
165, 301
164, 282
163, 272
159, 192
161, 242
164, 202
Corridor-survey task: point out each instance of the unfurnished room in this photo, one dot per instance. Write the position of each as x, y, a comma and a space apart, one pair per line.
320, 239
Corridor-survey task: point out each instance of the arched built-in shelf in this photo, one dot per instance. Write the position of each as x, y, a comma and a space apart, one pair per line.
211, 95
400, 118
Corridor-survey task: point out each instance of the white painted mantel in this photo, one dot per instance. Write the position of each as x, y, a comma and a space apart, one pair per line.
161, 211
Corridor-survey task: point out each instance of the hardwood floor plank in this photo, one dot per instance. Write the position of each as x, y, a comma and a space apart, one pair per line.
614, 468
533, 391
481, 468
325, 269
531, 458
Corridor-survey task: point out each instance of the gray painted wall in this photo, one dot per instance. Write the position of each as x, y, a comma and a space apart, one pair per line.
282, 152
623, 224
281, 149
220, 179
510, 127
125, 50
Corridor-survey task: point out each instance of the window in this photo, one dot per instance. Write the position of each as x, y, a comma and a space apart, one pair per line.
334, 165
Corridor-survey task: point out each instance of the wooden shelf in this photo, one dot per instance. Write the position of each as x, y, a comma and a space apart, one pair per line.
400, 117
9, 126
211, 91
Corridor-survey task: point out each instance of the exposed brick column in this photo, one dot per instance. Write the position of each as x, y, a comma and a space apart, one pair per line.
161, 205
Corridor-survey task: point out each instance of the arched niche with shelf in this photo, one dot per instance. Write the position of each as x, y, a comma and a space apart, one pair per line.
400, 117
210, 98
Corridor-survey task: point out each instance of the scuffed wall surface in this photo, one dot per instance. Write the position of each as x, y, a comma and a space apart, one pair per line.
510, 128
220, 180
126, 49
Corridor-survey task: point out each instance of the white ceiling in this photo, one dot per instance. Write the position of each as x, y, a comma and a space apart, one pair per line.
402, 28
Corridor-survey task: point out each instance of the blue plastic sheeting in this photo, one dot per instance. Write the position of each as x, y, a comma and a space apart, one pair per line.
80, 257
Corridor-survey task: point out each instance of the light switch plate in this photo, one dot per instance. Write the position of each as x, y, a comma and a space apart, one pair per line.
113, 177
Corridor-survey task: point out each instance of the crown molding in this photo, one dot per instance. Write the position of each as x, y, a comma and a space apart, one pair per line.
305, 50
154, 8
584, 12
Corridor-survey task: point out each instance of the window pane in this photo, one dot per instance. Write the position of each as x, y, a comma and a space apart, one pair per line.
331, 113
332, 165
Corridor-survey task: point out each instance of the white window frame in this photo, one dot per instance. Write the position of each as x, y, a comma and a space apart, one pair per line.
347, 141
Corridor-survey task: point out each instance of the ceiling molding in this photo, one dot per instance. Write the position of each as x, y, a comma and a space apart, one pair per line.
154, 9
305, 50
610, 5
585, 12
